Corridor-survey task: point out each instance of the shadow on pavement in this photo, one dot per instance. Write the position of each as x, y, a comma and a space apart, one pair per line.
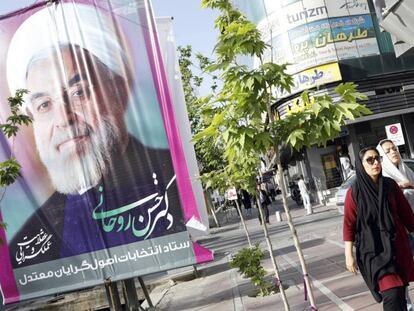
203, 300
211, 270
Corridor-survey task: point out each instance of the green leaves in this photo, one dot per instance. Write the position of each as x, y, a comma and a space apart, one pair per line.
9, 171
317, 119
238, 36
349, 93
16, 119
296, 135
248, 263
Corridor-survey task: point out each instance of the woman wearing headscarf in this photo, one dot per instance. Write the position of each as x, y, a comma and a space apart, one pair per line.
377, 217
395, 168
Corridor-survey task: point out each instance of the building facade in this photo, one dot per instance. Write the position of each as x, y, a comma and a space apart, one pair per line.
328, 42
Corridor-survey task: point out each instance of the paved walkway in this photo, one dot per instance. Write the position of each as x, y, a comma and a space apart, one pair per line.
221, 288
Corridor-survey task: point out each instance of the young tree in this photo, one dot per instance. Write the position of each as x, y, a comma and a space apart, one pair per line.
241, 113
10, 168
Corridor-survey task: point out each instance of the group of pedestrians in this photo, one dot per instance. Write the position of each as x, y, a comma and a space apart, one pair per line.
248, 200
265, 199
378, 221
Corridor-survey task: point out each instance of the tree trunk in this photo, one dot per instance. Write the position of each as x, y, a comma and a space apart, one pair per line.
213, 213
286, 207
272, 257
293, 229
243, 223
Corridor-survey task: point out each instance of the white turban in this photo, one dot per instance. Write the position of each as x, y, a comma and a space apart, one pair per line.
64, 24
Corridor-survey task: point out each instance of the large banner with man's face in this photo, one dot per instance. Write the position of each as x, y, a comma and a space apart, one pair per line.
105, 191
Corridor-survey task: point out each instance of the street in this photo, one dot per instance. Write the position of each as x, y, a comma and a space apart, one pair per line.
222, 288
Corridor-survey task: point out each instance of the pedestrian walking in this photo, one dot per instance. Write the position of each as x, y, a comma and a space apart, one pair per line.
304, 193
395, 168
377, 217
264, 201
246, 202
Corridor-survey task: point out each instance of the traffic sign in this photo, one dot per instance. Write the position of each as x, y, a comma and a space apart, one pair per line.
395, 133
231, 194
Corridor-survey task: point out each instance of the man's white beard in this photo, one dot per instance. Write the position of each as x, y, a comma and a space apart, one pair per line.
71, 173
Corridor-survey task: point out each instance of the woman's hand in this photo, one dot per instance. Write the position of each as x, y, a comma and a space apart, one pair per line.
349, 257
405, 184
351, 264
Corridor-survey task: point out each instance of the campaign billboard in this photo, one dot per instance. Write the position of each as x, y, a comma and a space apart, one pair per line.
105, 191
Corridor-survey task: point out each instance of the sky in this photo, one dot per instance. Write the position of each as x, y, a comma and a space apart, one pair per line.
192, 24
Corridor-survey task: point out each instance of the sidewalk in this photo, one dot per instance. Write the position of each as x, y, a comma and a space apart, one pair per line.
221, 288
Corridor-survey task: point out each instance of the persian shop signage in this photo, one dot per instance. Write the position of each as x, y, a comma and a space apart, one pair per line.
308, 34
313, 77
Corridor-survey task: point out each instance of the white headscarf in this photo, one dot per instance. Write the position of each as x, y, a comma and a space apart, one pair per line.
54, 26
399, 174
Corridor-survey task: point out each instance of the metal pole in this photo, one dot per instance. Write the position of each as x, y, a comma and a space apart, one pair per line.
146, 294
243, 223
113, 295
195, 272
130, 295
270, 249
213, 213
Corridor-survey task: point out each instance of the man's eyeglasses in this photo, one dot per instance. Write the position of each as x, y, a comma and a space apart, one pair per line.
371, 160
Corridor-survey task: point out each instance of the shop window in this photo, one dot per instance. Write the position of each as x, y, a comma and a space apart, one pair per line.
389, 90
331, 170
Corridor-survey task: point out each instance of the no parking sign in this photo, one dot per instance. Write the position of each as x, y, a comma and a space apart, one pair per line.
394, 132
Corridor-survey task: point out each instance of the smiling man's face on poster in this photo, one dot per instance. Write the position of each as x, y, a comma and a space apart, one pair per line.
78, 116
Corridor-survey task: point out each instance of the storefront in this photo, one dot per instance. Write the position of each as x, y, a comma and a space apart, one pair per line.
369, 133
329, 42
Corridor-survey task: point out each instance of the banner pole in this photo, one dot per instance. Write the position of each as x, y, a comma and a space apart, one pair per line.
113, 295
146, 294
130, 295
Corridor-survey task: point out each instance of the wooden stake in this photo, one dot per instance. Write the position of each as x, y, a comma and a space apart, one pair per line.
243, 223
272, 257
